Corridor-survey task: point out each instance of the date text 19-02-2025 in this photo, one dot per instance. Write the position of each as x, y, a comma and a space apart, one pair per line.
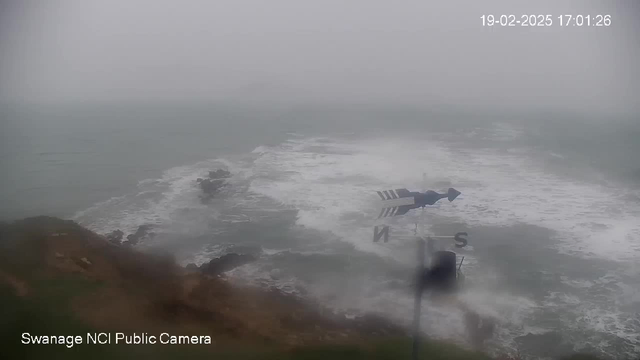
510, 20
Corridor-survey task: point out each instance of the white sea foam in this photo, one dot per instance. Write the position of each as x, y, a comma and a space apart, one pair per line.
332, 182
205, 255
599, 314
158, 201
499, 188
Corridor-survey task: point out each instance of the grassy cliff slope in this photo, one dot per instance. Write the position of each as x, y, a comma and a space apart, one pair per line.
57, 278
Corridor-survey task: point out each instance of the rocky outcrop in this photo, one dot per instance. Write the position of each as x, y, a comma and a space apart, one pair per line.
115, 236
211, 187
219, 174
142, 233
226, 263
213, 184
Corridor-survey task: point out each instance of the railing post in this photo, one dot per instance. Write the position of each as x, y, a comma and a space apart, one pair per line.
418, 299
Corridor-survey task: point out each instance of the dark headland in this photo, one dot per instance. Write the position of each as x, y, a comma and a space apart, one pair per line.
60, 279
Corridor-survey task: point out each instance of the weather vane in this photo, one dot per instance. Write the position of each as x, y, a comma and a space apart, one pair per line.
443, 275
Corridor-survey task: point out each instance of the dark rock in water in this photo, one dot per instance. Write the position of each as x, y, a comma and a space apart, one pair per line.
219, 174
211, 187
226, 263
213, 184
140, 234
115, 236
132, 239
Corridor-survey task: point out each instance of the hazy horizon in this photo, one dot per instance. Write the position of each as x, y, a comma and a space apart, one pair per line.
285, 52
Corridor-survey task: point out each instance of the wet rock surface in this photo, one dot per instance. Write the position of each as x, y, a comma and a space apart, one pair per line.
226, 263
142, 233
115, 236
213, 184
219, 174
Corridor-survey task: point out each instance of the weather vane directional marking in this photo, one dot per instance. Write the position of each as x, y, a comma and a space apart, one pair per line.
400, 201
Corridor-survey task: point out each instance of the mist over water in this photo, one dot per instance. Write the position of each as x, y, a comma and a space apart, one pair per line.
554, 240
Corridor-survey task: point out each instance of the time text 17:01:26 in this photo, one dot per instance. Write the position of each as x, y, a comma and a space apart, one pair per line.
546, 20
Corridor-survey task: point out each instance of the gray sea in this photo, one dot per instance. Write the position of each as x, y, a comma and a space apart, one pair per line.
551, 204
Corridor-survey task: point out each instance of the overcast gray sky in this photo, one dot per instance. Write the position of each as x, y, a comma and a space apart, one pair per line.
414, 52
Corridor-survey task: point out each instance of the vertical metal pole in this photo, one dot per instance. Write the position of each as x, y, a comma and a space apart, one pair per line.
418, 300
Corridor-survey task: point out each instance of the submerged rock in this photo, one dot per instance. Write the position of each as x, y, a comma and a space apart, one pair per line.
226, 263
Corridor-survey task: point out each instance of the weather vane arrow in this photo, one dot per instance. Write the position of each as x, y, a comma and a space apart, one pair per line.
400, 201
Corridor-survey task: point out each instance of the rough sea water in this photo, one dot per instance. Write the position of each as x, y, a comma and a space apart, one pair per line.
551, 205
